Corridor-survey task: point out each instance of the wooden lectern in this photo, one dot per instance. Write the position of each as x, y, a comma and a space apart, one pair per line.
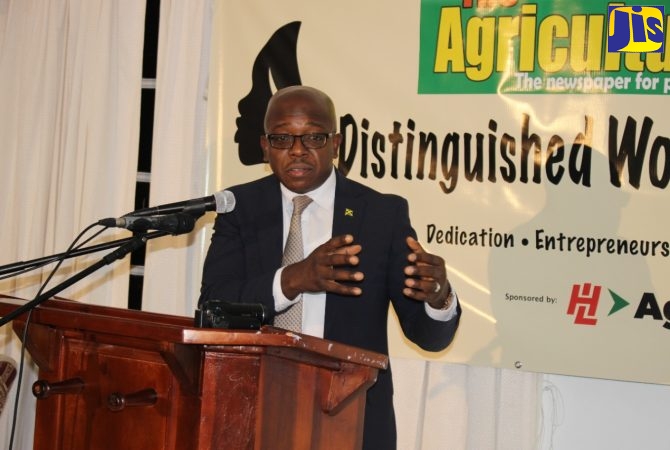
113, 378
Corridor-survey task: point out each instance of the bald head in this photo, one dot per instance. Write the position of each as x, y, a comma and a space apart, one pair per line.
301, 100
297, 112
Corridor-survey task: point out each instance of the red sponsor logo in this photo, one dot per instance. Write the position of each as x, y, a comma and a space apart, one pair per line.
584, 303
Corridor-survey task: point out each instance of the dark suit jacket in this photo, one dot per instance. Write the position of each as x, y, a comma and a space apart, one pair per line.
246, 251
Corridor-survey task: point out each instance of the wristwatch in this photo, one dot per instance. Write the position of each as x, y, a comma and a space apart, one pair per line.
450, 297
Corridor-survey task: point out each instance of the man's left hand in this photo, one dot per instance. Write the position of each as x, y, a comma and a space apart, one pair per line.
426, 276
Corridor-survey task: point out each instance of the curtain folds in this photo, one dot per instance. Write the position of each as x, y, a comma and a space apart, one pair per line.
70, 79
451, 406
179, 163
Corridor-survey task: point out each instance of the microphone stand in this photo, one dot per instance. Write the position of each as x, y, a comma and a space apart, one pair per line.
18, 266
127, 245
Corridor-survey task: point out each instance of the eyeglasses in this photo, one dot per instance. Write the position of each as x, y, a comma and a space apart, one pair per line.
311, 141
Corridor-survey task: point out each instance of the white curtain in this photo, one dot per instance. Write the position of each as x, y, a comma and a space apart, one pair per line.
70, 79
450, 406
179, 163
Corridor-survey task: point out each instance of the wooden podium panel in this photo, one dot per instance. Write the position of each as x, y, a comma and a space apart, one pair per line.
113, 378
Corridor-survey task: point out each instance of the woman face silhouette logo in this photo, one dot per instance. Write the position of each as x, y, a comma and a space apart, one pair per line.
278, 58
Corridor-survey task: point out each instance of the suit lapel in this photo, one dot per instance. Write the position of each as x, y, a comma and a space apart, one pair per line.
349, 209
348, 214
269, 223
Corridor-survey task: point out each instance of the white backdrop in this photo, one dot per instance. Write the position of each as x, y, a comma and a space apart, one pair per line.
507, 170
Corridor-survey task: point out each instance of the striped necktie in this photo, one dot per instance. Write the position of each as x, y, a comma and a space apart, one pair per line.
291, 318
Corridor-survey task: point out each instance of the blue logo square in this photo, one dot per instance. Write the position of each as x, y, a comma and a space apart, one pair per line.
635, 29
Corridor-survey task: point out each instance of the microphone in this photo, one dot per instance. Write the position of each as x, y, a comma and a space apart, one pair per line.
221, 202
173, 223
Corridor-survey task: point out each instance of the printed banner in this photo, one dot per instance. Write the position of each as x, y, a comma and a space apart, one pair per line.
557, 47
548, 208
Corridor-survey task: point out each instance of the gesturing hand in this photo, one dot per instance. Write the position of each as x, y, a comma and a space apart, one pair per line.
426, 276
324, 269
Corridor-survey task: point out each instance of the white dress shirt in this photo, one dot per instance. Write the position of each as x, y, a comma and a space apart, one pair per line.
317, 228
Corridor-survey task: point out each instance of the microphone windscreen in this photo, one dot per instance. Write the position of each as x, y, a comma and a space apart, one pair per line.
225, 201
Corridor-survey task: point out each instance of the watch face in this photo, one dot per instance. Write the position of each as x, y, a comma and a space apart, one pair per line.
449, 299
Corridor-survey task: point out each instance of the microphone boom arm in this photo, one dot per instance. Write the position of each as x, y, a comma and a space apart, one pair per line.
129, 246
38, 262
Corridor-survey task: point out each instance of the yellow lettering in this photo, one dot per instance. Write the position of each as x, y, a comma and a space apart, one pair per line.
585, 53
479, 52
552, 54
449, 41
508, 28
527, 38
653, 61
486, 44
612, 61
633, 62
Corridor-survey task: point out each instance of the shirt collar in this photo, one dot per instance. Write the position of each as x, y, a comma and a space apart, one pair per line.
324, 195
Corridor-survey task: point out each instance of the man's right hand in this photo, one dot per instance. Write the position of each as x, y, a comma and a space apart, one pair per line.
324, 269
